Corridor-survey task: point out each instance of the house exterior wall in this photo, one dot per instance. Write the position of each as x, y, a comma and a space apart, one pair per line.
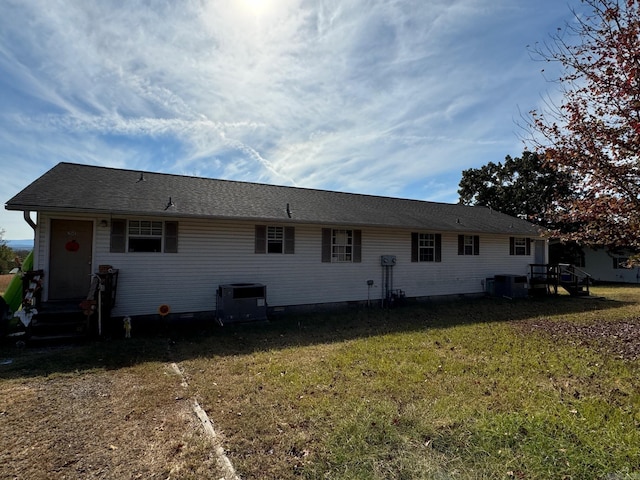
599, 264
211, 253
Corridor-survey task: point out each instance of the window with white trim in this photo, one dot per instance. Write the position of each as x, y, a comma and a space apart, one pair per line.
468, 245
519, 246
426, 247
144, 236
274, 239
341, 245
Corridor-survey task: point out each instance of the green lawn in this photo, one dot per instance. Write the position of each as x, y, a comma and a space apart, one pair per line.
486, 388
471, 389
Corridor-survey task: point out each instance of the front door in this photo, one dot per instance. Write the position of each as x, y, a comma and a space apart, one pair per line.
70, 259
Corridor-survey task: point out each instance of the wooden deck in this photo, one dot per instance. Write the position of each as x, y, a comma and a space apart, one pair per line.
546, 279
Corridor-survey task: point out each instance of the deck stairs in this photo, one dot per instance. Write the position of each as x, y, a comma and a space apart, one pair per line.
550, 277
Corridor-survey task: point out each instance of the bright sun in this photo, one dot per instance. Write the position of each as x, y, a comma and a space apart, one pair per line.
256, 7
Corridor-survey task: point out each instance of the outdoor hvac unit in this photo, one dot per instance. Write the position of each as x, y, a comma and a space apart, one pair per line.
241, 302
512, 286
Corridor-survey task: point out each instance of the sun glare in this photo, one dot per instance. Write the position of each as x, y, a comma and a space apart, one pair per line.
256, 7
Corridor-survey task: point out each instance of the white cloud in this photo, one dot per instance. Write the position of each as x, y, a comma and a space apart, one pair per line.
373, 96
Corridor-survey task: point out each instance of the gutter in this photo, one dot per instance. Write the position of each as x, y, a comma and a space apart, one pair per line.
27, 218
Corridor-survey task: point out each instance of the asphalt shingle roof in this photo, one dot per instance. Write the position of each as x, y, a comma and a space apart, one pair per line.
100, 190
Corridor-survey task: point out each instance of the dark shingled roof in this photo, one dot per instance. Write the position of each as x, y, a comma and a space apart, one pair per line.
99, 190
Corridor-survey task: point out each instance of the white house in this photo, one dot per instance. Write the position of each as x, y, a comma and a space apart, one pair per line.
603, 264
175, 239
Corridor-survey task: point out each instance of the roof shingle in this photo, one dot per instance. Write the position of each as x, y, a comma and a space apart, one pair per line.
101, 190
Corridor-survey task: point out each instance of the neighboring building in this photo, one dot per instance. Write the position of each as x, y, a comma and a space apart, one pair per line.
603, 264
175, 239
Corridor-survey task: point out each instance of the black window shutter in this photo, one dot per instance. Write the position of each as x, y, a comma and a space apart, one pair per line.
326, 245
261, 239
476, 245
528, 246
170, 237
357, 246
512, 246
414, 247
289, 239
438, 253
118, 236
460, 244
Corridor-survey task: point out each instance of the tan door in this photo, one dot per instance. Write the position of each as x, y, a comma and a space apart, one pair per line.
70, 259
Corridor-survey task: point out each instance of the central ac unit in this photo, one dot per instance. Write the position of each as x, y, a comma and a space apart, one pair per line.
241, 302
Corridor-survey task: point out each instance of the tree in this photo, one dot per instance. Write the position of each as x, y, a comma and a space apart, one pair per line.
523, 187
6, 255
593, 134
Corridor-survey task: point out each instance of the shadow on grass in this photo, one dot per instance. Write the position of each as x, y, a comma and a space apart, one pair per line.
171, 342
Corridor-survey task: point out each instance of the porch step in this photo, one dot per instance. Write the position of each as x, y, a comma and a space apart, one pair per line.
59, 319
62, 338
575, 290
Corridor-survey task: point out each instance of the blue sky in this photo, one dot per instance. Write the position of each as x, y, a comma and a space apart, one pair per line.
382, 97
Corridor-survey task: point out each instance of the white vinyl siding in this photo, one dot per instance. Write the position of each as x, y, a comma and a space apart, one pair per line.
212, 253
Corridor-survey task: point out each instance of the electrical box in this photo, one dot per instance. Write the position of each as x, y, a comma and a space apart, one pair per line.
388, 260
241, 302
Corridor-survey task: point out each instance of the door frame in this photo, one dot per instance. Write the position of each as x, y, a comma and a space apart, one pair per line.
48, 247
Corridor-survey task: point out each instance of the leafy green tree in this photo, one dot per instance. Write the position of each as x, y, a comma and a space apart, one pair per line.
6, 255
524, 187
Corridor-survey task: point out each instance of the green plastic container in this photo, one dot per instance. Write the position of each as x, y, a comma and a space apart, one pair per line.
13, 294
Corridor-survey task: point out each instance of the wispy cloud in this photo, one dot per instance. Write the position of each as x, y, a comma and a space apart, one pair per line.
377, 96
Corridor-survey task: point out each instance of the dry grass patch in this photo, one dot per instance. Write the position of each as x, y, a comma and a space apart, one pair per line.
133, 422
5, 280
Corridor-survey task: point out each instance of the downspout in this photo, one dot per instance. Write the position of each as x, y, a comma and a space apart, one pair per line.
27, 218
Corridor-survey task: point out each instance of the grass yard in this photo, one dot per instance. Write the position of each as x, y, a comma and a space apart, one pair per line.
486, 388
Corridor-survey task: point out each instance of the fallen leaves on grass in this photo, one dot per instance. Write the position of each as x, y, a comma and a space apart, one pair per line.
620, 339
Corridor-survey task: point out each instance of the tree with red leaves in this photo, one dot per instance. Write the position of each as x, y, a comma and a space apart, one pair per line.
593, 134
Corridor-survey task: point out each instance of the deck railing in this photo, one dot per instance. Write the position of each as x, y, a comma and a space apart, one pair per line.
573, 279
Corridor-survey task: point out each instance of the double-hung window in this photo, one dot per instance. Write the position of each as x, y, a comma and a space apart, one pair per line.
426, 247
468, 245
519, 246
274, 239
341, 245
144, 236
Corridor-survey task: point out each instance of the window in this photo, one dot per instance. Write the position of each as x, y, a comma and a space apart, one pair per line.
620, 262
144, 236
519, 246
274, 239
426, 247
341, 245
468, 245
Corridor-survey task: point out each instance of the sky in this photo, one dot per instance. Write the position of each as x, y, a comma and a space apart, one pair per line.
384, 97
